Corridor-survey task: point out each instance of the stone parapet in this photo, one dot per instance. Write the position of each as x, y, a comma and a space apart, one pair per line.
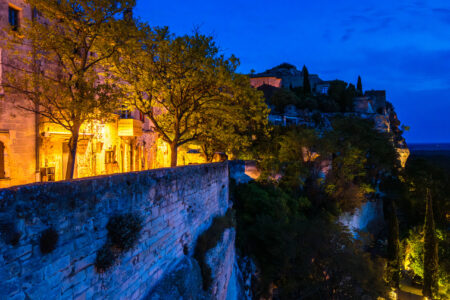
176, 206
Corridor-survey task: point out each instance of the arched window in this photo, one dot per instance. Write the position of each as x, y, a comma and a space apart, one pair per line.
2, 160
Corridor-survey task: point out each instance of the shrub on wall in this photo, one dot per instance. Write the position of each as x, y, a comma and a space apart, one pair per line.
208, 240
105, 259
48, 240
9, 233
124, 230
123, 233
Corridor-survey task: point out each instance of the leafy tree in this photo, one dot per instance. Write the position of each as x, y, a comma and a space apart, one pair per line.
235, 124
359, 86
305, 258
282, 98
423, 173
360, 155
393, 247
63, 74
430, 274
176, 82
306, 83
327, 104
343, 94
413, 246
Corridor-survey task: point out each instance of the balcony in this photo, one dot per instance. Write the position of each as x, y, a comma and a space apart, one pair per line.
130, 127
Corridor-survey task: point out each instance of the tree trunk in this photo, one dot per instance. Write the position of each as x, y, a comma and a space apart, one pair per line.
173, 154
73, 144
208, 156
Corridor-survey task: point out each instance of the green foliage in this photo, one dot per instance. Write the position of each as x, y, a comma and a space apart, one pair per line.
422, 173
58, 76
288, 154
48, 240
306, 83
393, 247
328, 104
413, 246
282, 98
124, 230
190, 92
359, 88
305, 257
343, 94
430, 260
208, 240
234, 125
360, 154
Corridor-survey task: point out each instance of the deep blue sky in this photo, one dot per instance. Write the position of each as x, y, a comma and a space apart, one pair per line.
402, 46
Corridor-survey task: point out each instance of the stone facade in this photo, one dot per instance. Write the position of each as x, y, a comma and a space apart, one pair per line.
33, 150
260, 81
17, 127
177, 205
283, 76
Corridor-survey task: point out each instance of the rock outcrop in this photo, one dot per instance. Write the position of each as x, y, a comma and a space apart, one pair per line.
185, 280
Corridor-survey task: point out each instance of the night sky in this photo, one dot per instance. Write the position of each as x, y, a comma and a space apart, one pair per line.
402, 46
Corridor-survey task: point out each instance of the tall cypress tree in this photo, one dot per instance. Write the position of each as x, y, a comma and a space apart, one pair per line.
359, 86
393, 247
430, 261
306, 83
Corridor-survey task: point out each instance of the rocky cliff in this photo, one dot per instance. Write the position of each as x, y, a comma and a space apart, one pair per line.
185, 280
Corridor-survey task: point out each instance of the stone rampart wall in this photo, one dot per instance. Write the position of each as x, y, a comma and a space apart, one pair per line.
176, 206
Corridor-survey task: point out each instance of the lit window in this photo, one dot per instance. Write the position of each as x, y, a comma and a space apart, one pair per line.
2, 160
14, 18
325, 90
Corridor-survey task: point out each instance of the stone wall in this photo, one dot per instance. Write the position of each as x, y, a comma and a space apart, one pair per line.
185, 280
243, 171
176, 205
260, 81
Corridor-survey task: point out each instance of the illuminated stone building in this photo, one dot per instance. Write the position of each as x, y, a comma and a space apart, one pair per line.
33, 150
18, 129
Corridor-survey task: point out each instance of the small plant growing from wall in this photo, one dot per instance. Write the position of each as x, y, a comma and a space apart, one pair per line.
208, 240
124, 231
9, 233
123, 234
105, 259
48, 240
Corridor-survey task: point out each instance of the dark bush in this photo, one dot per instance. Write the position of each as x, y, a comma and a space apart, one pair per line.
9, 233
49, 239
123, 234
124, 230
105, 259
208, 240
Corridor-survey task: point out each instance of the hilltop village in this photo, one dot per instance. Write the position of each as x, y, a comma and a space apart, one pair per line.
139, 164
315, 106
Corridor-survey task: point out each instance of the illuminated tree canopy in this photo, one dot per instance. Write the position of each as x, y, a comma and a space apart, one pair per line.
63, 76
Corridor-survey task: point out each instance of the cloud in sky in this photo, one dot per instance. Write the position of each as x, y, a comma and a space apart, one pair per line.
402, 46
